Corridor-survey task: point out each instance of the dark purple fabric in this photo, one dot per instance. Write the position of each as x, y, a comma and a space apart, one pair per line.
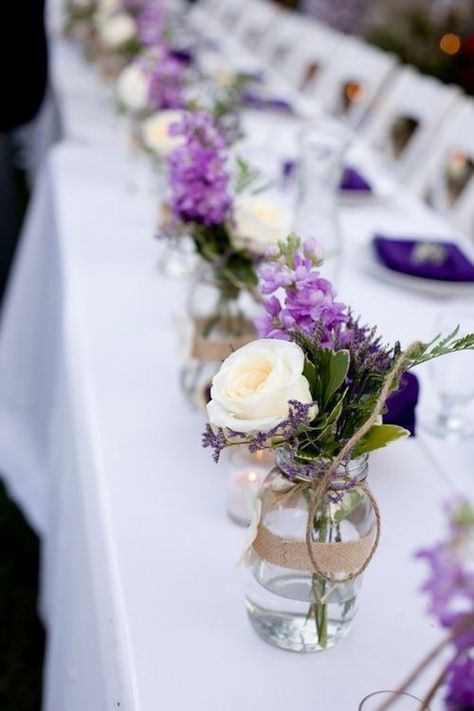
402, 404
354, 181
186, 56
250, 98
398, 255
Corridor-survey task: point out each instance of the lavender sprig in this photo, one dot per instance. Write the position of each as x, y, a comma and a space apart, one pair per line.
285, 432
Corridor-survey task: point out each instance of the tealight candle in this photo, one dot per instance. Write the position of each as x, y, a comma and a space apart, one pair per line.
243, 489
247, 472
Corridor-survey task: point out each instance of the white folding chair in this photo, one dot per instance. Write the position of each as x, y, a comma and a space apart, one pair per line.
255, 21
228, 12
405, 117
315, 49
284, 35
349, 85
445, 176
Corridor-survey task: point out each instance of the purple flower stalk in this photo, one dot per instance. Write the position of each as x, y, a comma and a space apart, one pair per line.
166, 75
199, 182
309, 300
450, 587
286, 431
150, 23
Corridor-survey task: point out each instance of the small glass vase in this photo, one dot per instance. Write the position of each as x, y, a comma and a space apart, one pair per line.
323, 146
219, 320
289, 605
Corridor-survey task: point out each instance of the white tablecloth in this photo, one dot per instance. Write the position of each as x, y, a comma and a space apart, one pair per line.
141, 595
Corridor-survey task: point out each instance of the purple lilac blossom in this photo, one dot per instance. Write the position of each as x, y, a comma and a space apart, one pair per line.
450, 587
166, 78
309, 300
150, 23
199, 182
460, 684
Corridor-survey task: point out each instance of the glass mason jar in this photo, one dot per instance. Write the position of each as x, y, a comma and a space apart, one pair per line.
219, 320
323, 146
288, 604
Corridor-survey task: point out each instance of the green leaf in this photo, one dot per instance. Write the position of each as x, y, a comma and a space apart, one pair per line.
379, 436
338, 367
309, 372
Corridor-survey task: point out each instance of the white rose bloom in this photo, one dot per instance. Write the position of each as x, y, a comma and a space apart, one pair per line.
155, 132
259, 222
250, 393
117, 30
132, 88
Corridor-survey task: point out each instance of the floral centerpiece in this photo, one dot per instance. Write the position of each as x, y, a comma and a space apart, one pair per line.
214, 210
149, 92
79, 21
450, 587
314, 387
124, 28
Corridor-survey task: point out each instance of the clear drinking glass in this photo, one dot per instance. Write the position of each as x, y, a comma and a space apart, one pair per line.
323, 146
453, 376
399, 701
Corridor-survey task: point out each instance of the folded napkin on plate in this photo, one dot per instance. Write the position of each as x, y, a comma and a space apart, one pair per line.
186, 56
352, 180
431, 260
254, 100
402, 403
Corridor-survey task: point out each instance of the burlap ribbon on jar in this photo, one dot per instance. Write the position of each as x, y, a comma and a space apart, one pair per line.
217, 349
346, 557
336, 562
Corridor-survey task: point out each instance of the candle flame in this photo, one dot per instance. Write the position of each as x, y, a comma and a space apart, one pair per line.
252, 477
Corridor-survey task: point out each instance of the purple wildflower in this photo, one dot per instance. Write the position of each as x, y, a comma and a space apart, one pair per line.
150, 23
460, 684
309, 300
286, 431
166, 76
198, 180
450, 586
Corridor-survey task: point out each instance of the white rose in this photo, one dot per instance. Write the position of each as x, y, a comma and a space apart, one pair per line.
117, 30
251, 391
132, 88
155, 132
259, 222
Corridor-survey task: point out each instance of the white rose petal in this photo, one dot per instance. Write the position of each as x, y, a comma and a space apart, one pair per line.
259, 222
117, 30
155, 132
250, 393
132, 88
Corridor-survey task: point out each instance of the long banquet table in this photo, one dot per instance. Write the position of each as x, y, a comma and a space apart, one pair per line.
140, 592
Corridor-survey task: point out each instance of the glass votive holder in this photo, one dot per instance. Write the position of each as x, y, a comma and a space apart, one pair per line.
246, 474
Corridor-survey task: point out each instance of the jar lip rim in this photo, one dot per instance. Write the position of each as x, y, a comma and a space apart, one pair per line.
359, 466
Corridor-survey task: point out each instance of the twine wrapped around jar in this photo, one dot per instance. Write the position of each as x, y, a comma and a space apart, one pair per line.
335, 562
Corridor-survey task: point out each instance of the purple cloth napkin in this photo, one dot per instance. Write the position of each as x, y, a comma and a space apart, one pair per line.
252, 99
186, 56
431, 260
352, 180
402, 404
